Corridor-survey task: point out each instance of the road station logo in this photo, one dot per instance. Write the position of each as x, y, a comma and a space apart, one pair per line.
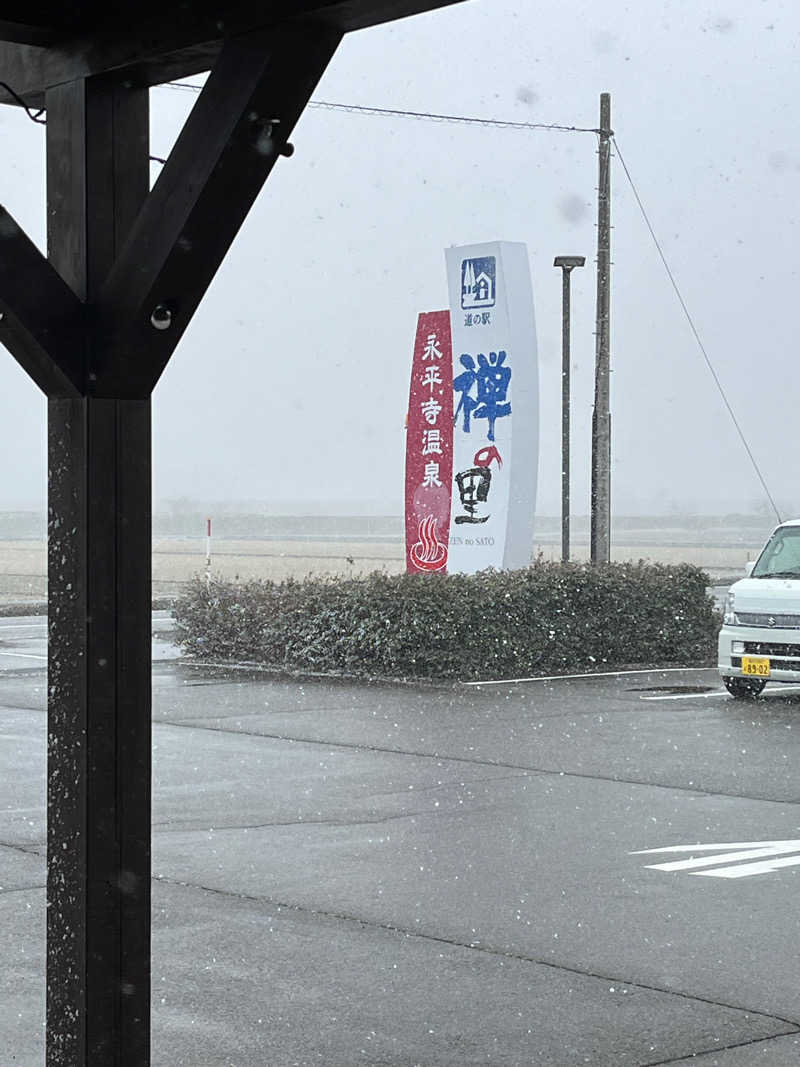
734, 859
478, 282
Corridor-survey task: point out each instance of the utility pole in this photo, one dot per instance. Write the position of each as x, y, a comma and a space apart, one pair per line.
601, 416
566, 263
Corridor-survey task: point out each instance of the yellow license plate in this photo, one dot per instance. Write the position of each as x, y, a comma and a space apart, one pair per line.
757, 665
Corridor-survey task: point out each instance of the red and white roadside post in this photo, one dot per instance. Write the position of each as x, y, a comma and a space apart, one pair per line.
208, 551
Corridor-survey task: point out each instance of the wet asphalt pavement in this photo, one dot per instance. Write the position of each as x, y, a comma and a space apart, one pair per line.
397, 876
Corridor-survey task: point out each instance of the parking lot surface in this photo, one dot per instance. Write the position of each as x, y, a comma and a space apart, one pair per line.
394, 875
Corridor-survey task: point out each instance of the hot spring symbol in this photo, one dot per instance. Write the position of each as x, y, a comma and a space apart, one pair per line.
429, 554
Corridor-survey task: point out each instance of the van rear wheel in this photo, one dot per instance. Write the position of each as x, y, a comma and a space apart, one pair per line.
744, 688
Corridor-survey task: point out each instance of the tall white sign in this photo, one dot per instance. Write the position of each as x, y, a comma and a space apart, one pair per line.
495, 407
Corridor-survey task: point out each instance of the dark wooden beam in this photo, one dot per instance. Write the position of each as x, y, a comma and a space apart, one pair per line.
144, 58
228, 146
42, 322
99, 558
99, 733
26, 32
349, 15
98, 176
175, 40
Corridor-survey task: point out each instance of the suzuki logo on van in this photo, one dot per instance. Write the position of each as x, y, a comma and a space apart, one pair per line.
771, 620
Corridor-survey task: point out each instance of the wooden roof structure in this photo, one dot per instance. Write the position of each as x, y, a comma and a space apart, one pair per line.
94, 323
156, 42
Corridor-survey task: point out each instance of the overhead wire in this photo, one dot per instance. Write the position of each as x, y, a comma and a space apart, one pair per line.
429, 116
695, 331
467, 120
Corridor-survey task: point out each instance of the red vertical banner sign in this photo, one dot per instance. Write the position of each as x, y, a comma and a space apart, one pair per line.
429, 446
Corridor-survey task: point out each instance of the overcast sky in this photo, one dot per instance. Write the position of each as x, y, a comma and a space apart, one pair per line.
292, 381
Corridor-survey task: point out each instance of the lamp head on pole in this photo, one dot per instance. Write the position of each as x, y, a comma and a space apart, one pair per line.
568, 262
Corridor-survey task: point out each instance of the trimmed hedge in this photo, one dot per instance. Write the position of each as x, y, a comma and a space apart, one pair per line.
549, 618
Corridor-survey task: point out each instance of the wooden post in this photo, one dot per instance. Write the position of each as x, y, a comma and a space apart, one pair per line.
99, 733
601, 416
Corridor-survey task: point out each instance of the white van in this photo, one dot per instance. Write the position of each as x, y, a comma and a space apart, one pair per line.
760, 636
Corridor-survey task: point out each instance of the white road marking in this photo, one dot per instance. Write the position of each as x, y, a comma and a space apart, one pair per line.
730, 856
744, 870
685, 696
22, 655
697, 847
593, 674
716, 693
725, 857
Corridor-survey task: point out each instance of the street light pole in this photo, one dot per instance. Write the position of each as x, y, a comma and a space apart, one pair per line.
566, 263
